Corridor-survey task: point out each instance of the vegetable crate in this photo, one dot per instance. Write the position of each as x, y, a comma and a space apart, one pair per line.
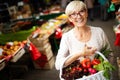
2, 64
18, 54
96, 76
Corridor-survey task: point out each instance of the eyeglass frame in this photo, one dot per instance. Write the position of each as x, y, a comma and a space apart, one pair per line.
75, 15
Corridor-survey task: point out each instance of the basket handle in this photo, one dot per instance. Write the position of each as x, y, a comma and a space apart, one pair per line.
99, 53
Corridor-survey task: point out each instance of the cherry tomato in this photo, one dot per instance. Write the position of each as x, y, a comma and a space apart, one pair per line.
85, 70
79, 69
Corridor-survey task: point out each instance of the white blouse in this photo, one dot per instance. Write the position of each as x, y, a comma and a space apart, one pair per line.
69, 45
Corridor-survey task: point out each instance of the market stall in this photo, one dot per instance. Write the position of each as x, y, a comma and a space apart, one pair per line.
39, 37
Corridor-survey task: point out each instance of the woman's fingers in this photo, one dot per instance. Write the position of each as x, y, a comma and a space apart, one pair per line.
89, 50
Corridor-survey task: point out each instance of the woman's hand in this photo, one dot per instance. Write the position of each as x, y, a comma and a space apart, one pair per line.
87, 51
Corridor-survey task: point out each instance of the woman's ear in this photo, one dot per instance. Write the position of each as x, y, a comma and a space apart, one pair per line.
86, 14
70, 22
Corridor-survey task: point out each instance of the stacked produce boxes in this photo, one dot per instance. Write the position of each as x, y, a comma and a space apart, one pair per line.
43, 45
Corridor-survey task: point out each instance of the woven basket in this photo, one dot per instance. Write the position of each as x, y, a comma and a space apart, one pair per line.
96, 76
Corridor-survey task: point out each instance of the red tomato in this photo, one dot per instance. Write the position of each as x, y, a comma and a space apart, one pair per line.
95, 61
86, 63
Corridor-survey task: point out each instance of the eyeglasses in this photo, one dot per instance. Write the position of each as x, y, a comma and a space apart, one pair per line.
75, 15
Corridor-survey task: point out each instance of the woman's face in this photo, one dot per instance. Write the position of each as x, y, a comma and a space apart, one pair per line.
79, 18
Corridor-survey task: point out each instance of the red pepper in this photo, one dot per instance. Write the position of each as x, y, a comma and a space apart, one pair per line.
95, 61
86, 63
58, 33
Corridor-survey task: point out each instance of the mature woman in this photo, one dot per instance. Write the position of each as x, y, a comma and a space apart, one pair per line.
81, 41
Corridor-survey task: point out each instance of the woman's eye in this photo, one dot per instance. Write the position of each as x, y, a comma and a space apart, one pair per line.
82, 11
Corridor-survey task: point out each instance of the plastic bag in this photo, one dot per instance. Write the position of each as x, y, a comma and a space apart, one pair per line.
111, 7
34, 52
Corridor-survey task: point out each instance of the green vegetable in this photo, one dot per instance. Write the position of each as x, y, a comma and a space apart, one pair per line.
106, 51
99, 67
17, 36
106, 66
107, 69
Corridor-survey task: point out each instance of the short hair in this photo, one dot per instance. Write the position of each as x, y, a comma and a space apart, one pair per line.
75, 6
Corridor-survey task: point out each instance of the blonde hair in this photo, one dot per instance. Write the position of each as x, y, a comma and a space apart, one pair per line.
75, 6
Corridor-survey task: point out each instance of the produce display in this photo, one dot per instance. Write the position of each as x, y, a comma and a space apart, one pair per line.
52, 24
50, 27
9, 49
11, 52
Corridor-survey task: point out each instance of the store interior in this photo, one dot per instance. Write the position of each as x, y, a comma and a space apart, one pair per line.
30, 34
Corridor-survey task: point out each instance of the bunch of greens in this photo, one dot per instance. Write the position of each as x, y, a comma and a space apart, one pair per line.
106, 66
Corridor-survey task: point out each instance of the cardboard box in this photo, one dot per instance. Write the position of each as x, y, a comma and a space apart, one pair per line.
44, 48
49, 65
39, 42
48, 54
46, 51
